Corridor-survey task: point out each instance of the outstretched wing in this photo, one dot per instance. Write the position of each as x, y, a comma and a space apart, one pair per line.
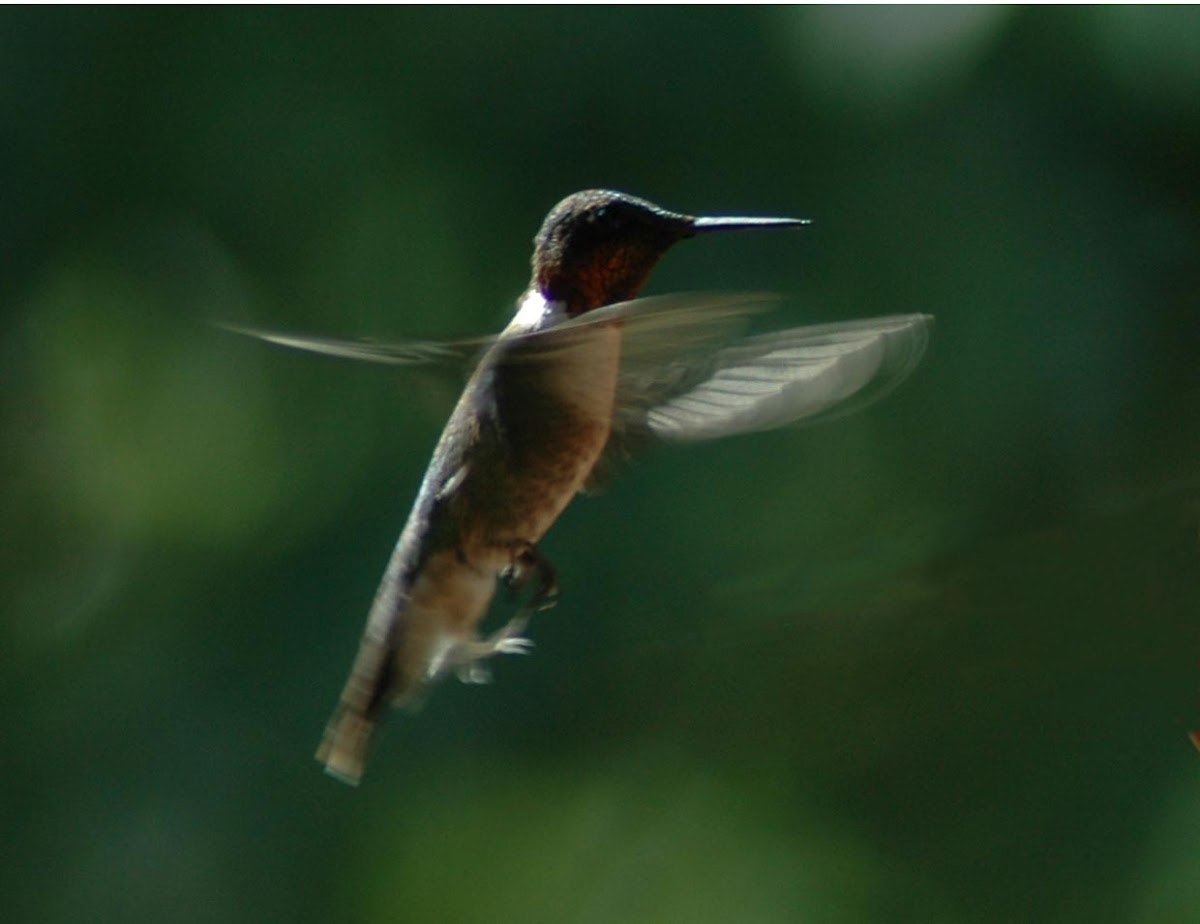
686, 371
775, 379
684, 380
402, 353
667, 324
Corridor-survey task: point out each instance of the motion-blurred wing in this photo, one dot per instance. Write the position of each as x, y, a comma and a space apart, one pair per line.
663, 325
685, 375
403, 353
779, 378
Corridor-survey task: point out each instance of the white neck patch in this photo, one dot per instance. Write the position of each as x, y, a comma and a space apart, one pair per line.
534, 311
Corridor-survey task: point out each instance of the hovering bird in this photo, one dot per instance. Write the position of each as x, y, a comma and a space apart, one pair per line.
584, 372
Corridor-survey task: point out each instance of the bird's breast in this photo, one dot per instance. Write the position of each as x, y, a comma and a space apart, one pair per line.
551, 415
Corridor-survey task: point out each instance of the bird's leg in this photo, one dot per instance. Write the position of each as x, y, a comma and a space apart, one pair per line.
467, 655
527, 565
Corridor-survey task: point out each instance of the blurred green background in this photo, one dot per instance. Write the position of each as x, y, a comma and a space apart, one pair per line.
935, 662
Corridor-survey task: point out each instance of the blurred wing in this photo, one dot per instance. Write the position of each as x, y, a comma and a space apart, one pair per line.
660, 325
403, 353
681, 382
775, 379
679, 320
684, 374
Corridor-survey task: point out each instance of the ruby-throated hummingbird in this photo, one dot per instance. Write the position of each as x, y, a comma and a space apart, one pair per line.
582, 372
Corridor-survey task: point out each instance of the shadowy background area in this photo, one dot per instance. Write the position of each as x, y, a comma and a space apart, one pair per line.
935, 662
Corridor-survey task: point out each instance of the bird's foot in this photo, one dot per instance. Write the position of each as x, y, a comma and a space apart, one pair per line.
527, 567
508, 640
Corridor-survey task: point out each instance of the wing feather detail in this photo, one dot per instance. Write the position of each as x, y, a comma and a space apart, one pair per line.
780, 378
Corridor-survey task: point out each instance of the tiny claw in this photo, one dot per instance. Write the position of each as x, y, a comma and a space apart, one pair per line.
521, 646
468, 655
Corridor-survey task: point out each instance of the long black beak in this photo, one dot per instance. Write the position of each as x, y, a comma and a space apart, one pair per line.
703, 225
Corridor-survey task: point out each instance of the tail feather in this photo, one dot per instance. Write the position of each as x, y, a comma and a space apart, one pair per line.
343, 749
348, 734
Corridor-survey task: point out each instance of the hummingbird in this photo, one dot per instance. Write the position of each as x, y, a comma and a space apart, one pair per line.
584, 373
